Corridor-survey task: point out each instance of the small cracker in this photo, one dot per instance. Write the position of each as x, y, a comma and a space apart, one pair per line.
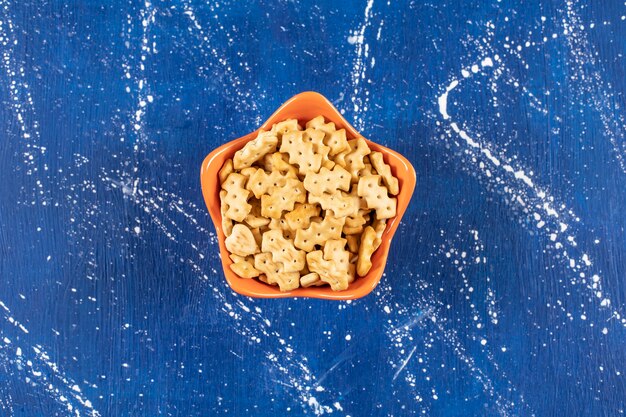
237, 258
236, 197
366, 248
384, 171
263, 279
334, 139
351, 273
225, 171
248, 172
340, 203
340, 158
279, 162
376, 196
316, 137
264, 143
328, 164
241, 241
282, 225
310, 280
319, 123
283, 198
335, 273
257, 232
300, 217
254, 219
352, 160
263, 183
335, 250
300, 152
281, 128
379, 226
358, 219
355, 230
283, 251
318, 233
227, 223
368, 170
327, 181
244, 269
274, 272
353, 243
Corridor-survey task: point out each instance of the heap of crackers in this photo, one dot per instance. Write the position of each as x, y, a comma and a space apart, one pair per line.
305, 207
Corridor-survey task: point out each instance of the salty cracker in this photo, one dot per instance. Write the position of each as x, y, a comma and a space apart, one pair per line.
316, 137
310, 280
241, 241
248, 172
318, 233
283, 226
376, 196
356, 150
236, 197
340, 203
335, 273
264, 143
319, 123
300, 152
244, 269
283, 251
327, 181
353, 243
225, 171
351, 273
227, 223
257, 232
328, 164
355, 230
281, 128
254, 218
358, 219
335, 250
334, 139
274, 272
300, 217
263, 279
368, 170
366, 248
263, 183
283, 198
237, 258
385, 172
352, 159
279, 162
379, 226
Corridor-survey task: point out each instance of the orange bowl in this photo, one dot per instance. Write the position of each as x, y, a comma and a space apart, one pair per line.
304, 107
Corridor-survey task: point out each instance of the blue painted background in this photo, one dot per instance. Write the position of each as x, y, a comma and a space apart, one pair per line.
504, 293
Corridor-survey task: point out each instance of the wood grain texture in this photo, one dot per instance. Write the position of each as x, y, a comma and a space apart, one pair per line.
504, 291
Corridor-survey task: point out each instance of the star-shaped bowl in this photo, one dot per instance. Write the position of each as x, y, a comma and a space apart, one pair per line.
304, 107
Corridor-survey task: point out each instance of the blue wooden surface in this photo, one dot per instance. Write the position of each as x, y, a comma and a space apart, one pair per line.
504, 293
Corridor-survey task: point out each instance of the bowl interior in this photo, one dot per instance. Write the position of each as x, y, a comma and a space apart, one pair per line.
303, 107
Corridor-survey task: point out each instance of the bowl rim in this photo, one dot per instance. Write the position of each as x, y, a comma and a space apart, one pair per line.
368, 283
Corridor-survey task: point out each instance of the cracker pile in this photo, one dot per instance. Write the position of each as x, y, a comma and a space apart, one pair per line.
305, 207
